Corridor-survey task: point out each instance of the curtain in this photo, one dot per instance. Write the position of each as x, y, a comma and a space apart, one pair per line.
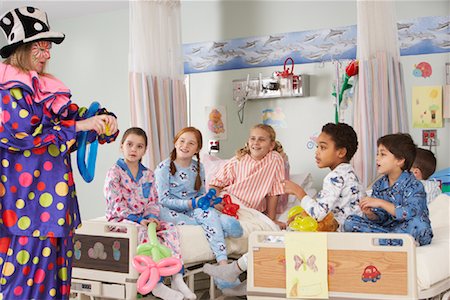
380, 104
156, 76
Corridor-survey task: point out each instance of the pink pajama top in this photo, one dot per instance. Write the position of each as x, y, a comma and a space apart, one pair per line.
128, 197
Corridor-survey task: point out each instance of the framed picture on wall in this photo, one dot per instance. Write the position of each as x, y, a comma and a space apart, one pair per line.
427, 106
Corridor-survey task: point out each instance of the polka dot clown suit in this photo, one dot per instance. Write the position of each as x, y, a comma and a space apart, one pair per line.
38, 203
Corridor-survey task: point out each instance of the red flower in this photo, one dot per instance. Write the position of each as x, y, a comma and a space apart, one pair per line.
352, 68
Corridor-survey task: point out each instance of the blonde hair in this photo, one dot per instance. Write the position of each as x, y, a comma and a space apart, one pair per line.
279, 149
21, 59
173, 154
267, 128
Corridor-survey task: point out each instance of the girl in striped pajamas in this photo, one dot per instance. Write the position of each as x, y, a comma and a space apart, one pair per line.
255, 175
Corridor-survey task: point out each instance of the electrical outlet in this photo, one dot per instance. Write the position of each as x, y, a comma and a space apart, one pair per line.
213, 146
429, 137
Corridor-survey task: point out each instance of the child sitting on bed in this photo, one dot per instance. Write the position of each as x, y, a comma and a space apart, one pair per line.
340, 194
255, 175
341, 190
179, 182
423, 167
131, 197
398, 203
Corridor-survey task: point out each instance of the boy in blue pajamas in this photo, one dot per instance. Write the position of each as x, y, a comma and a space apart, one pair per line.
398, 203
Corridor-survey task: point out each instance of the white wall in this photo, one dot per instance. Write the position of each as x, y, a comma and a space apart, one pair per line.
93, 62
216, 21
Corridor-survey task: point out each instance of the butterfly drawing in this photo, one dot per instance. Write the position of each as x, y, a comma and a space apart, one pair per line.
310, 262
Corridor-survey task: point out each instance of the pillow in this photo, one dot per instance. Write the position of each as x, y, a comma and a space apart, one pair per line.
212, 165
439, 211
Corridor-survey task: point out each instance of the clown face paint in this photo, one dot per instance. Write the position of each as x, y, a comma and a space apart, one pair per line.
40, 54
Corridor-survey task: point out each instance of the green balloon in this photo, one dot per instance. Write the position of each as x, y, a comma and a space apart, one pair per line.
153, 247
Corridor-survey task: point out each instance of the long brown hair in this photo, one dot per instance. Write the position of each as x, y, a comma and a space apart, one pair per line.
173, 154
267, 128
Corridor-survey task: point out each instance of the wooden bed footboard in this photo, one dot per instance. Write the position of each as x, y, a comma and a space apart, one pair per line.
350, 257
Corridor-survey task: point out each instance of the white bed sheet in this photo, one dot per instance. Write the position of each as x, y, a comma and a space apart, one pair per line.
195, 248
433, 262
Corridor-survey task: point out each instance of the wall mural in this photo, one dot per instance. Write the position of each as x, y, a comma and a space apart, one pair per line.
416, 36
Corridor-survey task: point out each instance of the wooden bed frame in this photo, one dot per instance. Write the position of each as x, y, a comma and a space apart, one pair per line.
348, 256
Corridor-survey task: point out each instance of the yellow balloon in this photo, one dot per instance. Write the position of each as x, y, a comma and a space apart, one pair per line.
295, 210
304, 224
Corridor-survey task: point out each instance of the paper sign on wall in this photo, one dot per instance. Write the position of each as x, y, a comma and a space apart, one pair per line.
427, 106
306, 265
274, 117
217, 122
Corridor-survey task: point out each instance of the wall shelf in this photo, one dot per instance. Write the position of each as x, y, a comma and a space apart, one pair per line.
270, 87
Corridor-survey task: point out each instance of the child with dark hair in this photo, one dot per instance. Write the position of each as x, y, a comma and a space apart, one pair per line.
398, 203
423, 167
341, 191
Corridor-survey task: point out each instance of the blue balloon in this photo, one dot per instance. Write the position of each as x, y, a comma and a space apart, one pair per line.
87, 171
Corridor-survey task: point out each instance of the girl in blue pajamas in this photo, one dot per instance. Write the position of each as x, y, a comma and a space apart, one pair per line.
180, 183
398, 203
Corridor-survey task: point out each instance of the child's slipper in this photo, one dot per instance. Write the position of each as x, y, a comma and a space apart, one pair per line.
222, 284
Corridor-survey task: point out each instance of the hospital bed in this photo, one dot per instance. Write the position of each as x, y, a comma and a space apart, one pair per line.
102, 257
405, 272
103, 252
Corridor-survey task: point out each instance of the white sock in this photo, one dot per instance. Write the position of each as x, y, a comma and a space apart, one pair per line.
179, 285
166, 293
229, 272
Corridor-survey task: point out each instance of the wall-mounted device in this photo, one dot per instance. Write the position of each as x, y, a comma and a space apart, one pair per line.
282, 84
213, 146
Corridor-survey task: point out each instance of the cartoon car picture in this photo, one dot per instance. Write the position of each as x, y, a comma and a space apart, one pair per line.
370, 273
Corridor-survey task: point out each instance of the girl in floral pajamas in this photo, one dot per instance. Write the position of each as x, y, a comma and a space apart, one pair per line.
131, 197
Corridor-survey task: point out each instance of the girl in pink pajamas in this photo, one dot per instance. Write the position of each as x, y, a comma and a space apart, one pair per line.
131, 197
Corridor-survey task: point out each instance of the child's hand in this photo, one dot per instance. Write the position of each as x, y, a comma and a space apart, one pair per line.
219, 207
368, 202
291, 187
145, 222
368, 212
280, 224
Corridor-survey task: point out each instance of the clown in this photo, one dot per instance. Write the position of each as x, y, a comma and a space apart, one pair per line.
38, 129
